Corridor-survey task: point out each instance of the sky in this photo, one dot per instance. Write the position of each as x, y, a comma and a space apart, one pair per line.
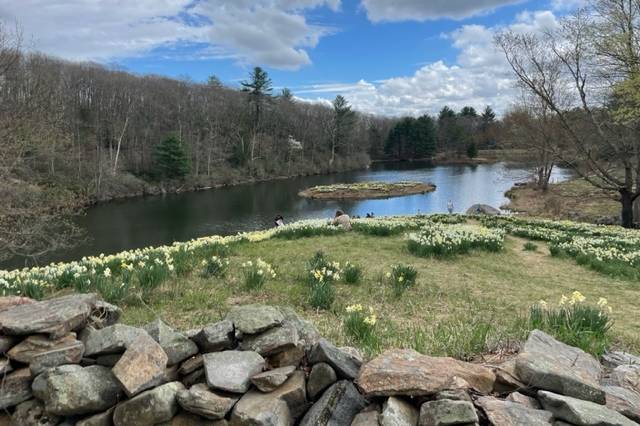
387, 57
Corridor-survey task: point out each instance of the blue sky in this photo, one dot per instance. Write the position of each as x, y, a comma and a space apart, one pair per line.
393, 57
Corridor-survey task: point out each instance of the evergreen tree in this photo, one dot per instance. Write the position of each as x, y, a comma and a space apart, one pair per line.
286, 94
425, 137
259, 88
171, 159
488, 116
472, 150
344, 118
468, 112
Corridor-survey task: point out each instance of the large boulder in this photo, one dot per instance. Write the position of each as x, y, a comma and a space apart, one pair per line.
175, 345
254, 319
346, 365
580, 412
624, 401
397, 412
272, 341
55, 317
548, 364
338, 406
101, 419
509, 413
483, 209
201, 401
443, 412
293, 393
407, 372
272, 379
142, 366
321, 377
110, 340
16, 388
72, 390
260, 409
231, 371
215, 337
151, 407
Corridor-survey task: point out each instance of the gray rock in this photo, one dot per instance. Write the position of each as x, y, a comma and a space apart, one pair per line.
154, 406
293, 393
321, 377
615, 359
55, 317
70, 354
396, 412
6, 343
626, 376
509, 413
580, 412
272, 379
454, 395
345, 365
100, 419
32, 413
272, 341
254, 319
215, 337
307, 332
142, 366
525, 400
338, 406
292, 356
110, 340
366, 418
16, 388
175, 345
483, 209
190, 365
548, 364
201, 401
353, 352
5, 366
231, 371
624, 401
194, 377
188, 419
108, 360
104, 314
32, 346
260, 409
71, 390
445, 412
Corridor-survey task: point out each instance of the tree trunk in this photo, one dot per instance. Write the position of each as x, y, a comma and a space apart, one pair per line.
626, 199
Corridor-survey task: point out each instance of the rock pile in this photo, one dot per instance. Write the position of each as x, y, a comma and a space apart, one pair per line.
68, 361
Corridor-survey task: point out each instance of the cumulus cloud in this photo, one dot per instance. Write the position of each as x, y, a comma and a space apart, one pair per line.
423, 10
267, 32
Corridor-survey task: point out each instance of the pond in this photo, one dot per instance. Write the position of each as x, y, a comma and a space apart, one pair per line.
158, 220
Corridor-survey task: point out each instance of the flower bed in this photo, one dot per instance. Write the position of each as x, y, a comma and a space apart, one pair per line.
445, 240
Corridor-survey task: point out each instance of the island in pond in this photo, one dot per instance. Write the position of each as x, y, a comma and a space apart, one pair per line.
366, 190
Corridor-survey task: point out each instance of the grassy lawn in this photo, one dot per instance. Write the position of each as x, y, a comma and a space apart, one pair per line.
461, 306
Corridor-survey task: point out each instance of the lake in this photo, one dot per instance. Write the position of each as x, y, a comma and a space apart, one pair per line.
157, 220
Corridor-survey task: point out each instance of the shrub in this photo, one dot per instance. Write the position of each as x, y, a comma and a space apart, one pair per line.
215, 267
256, 274
402, 277
575, 323
352, 273
529, 246
360, 324
322, 295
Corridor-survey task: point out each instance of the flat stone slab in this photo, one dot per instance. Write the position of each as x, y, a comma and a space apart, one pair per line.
254, 319
548, 364
201, 401
16, 388
110, 340
346, 365
71, 390
509, 413
580, 412
70, 354
338, 406
407, 372
142, 366
272, 341
175, 345
231, 371
151, 407
272, 379
216, 337
33, 345
55, 317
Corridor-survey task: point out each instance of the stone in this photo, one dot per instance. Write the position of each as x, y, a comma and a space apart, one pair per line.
321, 377
455, 394
445, 412
548, 364
16, 388
307, 332
194, 377
581, 412
525, 400
615, 359
624, 401
254, 319
366, 418
33, 345
407, 372
292, 356
190, 365
216, 337
108, 360
509, 413
55, 317
353, 352
71, 390
32, 413
6, 343
154, 406
5, 420
171, 374
272, 379
175, 345
272, 341
201, 401
231, 371
101, 419
506, 380
5, 366
397, 412
483, 209
104, 314
188, 419
293, 393
110, 340
626, 376
142, 366
260, 409
70, 354
345, 365
7, 302
338, 406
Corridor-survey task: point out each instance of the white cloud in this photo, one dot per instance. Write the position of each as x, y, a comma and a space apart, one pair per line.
266, 32
423, 10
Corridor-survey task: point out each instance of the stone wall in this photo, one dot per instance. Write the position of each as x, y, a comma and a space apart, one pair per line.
68, 361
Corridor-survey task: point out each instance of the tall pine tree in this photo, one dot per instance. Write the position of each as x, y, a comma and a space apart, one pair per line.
171, 159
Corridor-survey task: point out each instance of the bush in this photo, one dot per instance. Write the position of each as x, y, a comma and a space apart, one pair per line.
529, 246
215, 267
352, 273
360, 325
402, 277
256, 274
322, 295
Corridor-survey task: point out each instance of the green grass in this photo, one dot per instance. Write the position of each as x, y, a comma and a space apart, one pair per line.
460, 306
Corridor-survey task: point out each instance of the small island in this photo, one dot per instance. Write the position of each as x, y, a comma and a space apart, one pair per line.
366, 190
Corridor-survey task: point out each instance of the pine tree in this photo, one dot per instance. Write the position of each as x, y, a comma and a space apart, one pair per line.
171, 159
